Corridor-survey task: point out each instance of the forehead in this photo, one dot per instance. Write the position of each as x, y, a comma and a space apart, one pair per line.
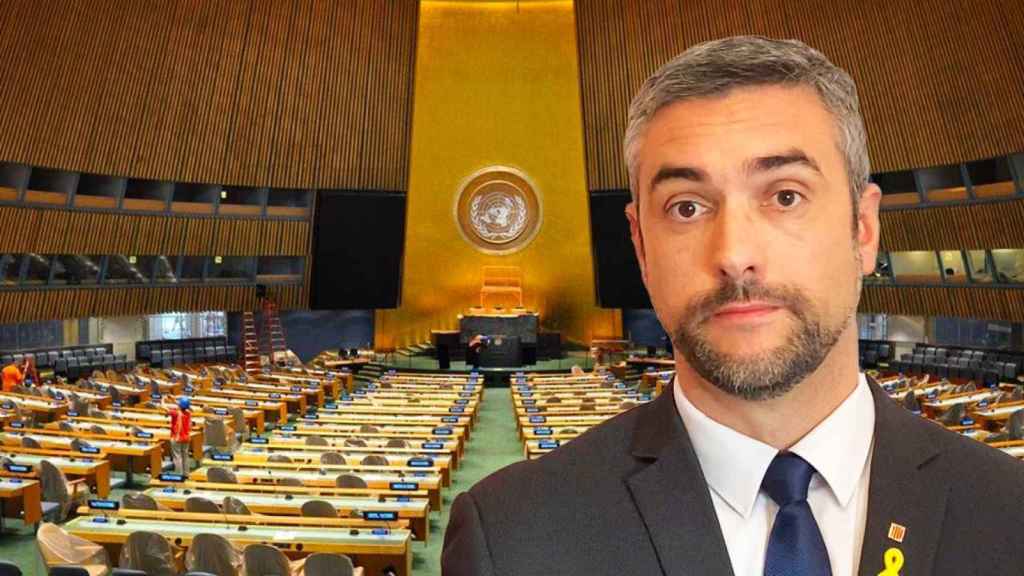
718, 131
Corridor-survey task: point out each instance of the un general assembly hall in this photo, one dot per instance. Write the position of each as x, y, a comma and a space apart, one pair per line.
511, 287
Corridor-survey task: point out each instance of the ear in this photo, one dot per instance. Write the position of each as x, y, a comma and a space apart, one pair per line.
632, 214
868, 228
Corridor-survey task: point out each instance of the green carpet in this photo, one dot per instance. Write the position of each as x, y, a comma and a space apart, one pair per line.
494, 444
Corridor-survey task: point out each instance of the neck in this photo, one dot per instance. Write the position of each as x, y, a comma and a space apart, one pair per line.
780, 422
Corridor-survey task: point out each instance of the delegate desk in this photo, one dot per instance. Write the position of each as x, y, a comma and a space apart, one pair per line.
43, 409
457, 421
934, 408
96, 471
996, 415
319, 479
334, 432
373, 551
21, 499
415, 511
174, 481
301, 460
274, 411
119, 430
130, 456
314, 394
295, 403
464, 414
274, 444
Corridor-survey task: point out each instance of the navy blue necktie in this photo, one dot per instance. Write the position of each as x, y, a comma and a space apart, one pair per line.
795, 547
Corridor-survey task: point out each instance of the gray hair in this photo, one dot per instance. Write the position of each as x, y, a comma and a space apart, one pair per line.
716, 67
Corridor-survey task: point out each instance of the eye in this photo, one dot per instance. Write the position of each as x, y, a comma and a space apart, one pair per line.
687, 210
787, 198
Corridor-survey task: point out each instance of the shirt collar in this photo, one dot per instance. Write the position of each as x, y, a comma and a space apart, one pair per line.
734, 464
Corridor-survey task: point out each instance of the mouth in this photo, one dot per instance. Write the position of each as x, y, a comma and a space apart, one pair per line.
745, 311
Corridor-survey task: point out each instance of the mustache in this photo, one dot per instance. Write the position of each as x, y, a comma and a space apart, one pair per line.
731, 291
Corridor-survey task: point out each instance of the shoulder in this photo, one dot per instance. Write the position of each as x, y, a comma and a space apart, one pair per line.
595, 462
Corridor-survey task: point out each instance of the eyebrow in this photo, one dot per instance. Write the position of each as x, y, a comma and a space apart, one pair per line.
759, 164
776, 161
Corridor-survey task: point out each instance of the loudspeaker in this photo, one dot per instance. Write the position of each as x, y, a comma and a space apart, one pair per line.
616, 270
358, 243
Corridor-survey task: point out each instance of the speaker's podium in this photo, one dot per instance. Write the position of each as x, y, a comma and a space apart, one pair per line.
510, 330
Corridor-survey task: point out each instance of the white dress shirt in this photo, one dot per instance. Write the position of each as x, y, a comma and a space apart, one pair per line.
839, 448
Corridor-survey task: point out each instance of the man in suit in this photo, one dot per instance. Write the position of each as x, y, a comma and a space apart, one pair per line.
753, 221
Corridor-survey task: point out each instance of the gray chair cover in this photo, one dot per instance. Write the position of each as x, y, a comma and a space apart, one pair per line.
213, 554
150, 552
569, 431
349, 481
77, 444
29, 442
232, 505
316, 441
626, 405
216, 434
200, 504
324, 564
332, 459
221, 475
238, 419
138, 501
356, 442
97, 429
58, 548
288, 481
57, 489
369, 429
318, 509
397, 443
65, 426
374, 460
279, 458
264, 560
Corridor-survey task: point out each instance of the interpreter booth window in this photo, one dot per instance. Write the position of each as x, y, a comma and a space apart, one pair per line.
165, 269
229, 268
279, 269
122, 269
991, 178
192, 268
38, 269
953, 270
1009, 266
980, 266
75, 269
898, 188
10, 269
882, 273
971, 333
943, 183
915, 267
873, 326
178, 325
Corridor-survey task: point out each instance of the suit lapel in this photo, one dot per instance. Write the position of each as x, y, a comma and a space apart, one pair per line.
672, 496
908, 488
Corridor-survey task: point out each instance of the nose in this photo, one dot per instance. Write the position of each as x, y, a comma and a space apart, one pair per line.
735, 248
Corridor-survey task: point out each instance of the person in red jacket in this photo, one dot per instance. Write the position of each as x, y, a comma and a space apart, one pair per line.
181, 427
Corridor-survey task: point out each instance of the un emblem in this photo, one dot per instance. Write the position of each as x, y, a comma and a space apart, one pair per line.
497, 210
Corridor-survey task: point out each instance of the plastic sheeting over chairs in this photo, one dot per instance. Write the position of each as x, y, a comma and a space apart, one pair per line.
318, 509
139, 501
221, 475
316, 441
57, 488
57, 547
200, 504
374, 460
232, 505
213, 554
150, 552
264, 560
323, 564
349, 481
332, 459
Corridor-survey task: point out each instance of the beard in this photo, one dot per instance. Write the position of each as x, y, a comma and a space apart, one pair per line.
769, 374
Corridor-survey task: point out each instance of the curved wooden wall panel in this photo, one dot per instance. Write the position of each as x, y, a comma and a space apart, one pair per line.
960, 227
52, 231
30, 306
296, 94
987, 303
938, 85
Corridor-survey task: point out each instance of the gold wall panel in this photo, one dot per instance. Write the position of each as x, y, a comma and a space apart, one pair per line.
292, 94
987, 303
939, 81
497, 83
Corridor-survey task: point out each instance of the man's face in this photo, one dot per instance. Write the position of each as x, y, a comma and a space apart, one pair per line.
744, 232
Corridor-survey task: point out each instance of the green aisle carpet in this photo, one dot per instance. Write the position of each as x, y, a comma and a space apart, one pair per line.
494, 445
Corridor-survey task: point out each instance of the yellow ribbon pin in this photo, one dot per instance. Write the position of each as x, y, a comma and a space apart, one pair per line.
893, 562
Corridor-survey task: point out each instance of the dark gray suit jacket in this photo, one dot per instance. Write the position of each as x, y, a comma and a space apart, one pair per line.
629, 498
